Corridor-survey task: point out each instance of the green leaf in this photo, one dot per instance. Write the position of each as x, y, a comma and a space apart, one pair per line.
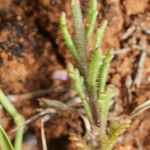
67, 37
93, 69
105, 102
17, 117
78, 83
92, 15
5, 143
117, 128
104, 71
100, 34
80, 38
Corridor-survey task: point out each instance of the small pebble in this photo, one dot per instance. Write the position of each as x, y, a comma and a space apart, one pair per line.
60, 75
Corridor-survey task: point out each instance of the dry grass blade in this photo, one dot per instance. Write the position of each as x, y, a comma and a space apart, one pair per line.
35, 117
140, 69
140, 109
44, 145
55, 104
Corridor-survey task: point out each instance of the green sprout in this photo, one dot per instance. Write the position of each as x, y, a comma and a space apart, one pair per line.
89, 75
18, 119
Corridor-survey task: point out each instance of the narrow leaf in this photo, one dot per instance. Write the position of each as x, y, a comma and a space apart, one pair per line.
117, 128
18, 119
67, 37
140, 109
104, 71
80, 39
93, 70
92, 15
78, 83
100, 34
5, 143
105, 101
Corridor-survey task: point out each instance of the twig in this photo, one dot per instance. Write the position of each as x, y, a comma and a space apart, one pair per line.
128, 84
74, 102
35, 117
141, 47
145, 30
55, 104
122, 51
52, 106
139, 145
140, 69
128, 49
89, 131
44, 145
32, 95
140, 109
128, 33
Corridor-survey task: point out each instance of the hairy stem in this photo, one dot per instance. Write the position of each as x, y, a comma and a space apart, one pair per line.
80, 38
93, 70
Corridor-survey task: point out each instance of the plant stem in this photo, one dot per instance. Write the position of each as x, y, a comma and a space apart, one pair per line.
93, 70
5, 143
18, 119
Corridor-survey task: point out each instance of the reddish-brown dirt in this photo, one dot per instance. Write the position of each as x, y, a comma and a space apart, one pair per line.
33, 57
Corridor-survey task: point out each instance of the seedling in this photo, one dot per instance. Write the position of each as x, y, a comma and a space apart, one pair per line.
89, 75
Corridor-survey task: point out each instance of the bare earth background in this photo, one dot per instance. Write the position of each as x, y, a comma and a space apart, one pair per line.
33, 57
